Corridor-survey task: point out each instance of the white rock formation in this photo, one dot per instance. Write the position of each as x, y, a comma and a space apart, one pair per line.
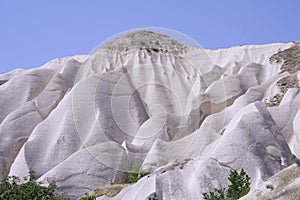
283, 185
188, 115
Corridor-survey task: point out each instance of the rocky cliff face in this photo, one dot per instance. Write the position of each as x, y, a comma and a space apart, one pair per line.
187, 115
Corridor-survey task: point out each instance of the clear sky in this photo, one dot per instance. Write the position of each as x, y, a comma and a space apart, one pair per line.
33, 31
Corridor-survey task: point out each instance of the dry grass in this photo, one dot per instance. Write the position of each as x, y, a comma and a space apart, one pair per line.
290, 81
290, 59
108, 190
177, 163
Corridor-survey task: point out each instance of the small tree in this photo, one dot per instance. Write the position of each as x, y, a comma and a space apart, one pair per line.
240, 186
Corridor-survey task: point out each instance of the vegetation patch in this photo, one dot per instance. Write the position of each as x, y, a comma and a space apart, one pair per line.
87, 197
153, 197
290, 58
177, 163
112, 190
12, 189
135, 174
107, 190
290, 81
239, 186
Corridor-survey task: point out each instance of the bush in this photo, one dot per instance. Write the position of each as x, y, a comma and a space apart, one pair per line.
88, 198
12, 189
240, 186
153, 197
135, 174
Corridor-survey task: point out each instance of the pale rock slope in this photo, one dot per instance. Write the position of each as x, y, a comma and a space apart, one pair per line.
186, 114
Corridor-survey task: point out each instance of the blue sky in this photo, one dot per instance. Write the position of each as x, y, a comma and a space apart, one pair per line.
33, 32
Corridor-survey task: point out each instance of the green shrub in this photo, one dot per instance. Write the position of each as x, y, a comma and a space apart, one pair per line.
12, 189
135, 174
219, 194
239, 186
88, 198
153, 197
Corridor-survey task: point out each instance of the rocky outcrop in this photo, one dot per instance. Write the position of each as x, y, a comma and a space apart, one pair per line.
283, 185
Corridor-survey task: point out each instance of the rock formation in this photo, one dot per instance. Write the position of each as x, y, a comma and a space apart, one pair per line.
186, 114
